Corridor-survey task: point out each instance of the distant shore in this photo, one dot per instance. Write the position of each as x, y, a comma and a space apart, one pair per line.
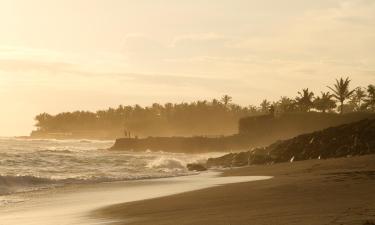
252, 131
312, 192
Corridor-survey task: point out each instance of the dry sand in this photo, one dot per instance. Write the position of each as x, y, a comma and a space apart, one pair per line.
334, 191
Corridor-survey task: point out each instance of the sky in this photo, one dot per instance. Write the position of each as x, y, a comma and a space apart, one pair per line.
65, 55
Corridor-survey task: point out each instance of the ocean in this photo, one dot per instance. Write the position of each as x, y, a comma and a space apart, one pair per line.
34, 164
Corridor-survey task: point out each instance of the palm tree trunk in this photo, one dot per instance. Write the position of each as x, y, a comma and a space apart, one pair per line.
342, 107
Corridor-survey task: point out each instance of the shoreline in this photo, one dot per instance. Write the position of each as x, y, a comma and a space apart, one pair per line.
312, 192
72, 205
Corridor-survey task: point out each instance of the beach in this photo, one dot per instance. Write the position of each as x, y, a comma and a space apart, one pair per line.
178, 112
312, 192
97, 186
72, 204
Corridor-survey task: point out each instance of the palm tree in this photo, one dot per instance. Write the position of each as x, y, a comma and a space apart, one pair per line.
324, 102
286, 104
43, 121
215, 102
252, 109
226, 99
357, 98
341, 91
305, 100
370, 100
265, 106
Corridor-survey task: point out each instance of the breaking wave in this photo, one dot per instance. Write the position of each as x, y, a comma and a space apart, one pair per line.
167, 163
27, 165
10, 184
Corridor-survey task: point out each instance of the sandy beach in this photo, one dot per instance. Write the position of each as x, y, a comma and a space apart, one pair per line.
178, 112
313, 192
71, 205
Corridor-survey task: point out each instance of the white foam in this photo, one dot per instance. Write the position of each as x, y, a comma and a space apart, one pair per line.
168, 163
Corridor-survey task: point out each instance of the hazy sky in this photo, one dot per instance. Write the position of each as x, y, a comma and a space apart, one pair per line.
60, 55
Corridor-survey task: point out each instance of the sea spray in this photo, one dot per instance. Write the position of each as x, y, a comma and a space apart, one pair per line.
28, 165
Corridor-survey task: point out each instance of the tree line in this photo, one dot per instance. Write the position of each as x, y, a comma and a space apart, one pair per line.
218, 116
341, 99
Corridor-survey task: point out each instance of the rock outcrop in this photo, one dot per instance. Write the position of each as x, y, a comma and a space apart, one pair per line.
342, 141
254, 132
183, 144
196, 167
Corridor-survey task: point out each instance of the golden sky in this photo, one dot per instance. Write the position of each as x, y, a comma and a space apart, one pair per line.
59, 55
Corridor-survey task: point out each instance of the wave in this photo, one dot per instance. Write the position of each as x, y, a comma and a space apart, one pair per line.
16, 184
28, 166
167, 164
56, 151
10, 184
30, 181
22, 180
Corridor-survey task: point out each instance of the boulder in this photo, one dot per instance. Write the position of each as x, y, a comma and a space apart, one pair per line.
196, 167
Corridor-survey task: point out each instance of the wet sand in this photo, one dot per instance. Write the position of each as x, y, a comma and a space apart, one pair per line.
71, 205
334, 191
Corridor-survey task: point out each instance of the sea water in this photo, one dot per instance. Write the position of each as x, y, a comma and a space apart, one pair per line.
33, 164
49, 182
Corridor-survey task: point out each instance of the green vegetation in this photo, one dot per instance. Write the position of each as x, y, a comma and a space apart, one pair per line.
341, 91
305, 100
324, 102
184, 119
216, 117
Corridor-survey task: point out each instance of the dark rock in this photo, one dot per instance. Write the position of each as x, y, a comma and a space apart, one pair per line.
342, 141
196, 167
253, 131
183, 144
